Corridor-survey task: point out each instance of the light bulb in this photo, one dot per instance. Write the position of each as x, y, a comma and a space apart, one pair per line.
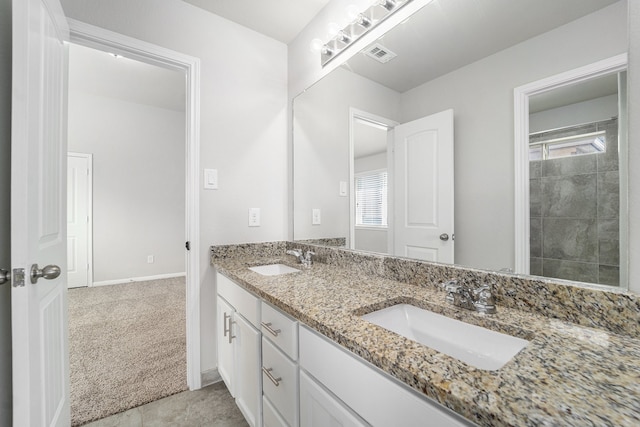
316, 45
352, 12
332, 29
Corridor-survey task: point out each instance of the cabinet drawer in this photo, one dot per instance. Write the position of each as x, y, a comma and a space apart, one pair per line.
284, 394
281, 330
270, 416
244, 303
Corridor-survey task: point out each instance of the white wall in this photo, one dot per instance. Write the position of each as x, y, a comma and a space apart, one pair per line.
138, 183
321, 132
243, 131
370, 163
481, 95
5, 222
594, 110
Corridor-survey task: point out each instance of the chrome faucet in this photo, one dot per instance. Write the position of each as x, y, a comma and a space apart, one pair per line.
480, 299
304, 258
296, 253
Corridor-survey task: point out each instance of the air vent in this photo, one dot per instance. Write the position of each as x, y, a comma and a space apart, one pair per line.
380, 53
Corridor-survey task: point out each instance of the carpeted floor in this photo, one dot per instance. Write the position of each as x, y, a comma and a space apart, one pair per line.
127, 346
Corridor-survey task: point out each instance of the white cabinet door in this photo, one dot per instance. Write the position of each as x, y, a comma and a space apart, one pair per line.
319, 408
248, 384
225, 345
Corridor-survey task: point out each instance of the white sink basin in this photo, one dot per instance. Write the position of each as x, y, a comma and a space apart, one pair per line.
477, 346
273, 269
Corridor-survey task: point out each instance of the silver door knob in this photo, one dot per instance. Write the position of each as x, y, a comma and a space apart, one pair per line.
444, 237
48, 272
5, 276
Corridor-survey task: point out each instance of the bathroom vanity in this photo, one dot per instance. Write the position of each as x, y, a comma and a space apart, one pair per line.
327, 361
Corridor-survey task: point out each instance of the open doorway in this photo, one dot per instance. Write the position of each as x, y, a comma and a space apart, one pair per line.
128, 325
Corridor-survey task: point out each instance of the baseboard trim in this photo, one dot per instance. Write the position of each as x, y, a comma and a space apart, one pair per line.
210, 377
138, 279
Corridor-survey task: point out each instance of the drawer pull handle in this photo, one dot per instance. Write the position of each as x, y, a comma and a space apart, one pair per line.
274, 380
272, 331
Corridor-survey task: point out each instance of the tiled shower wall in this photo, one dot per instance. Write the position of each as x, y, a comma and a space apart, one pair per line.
574, 211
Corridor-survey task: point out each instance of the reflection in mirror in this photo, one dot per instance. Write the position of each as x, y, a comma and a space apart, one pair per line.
370, 196
446, 60
574, 190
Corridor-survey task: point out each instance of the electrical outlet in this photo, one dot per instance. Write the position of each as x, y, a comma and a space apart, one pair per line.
254, 217
315, 217
150, 259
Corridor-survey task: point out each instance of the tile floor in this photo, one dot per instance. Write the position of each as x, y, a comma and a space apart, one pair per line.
210, 406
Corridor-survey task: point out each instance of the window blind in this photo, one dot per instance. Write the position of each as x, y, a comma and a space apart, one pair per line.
371, 199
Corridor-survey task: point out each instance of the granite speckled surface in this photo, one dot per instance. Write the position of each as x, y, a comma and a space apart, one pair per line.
571, 373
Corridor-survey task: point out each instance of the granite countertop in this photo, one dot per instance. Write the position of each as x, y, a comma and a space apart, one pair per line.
567, 375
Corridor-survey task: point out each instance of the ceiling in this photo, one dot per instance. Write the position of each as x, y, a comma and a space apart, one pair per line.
279, 19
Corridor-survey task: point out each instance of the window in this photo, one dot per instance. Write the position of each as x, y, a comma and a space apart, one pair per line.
371, 199
588, 143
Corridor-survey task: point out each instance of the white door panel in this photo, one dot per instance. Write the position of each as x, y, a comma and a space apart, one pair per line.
38, 213
423, 188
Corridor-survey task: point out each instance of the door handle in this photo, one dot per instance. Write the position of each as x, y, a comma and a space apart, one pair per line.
444, 237
5, 276
48, 272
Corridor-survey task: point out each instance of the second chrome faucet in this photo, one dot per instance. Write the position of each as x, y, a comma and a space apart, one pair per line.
304, 258
461, 295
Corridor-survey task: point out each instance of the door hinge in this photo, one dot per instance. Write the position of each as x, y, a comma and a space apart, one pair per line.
188, 245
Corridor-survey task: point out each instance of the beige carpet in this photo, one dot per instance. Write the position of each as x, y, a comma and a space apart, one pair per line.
127, 346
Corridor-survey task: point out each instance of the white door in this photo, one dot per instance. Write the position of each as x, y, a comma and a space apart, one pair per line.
38, 214
423, 188
78, 220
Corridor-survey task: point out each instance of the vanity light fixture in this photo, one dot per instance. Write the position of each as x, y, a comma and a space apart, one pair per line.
362, 20
387, 4
361, 23
343, 37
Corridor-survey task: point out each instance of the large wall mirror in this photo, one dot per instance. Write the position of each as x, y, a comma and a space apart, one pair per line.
408, 148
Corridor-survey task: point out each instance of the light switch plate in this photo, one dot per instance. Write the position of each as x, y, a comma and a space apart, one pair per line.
315, 217
343, 188
211, 179
254, 217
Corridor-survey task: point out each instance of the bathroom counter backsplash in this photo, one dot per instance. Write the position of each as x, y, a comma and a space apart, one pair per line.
574, 371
